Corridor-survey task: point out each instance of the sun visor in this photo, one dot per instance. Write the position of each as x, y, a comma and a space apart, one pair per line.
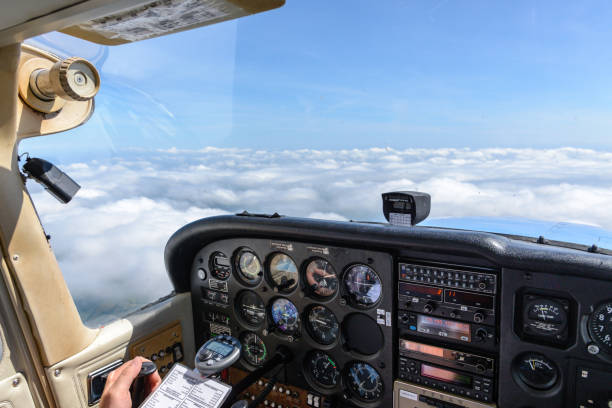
163, 17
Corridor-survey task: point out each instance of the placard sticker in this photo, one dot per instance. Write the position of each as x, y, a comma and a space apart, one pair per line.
318, 250
409, 395
282, 246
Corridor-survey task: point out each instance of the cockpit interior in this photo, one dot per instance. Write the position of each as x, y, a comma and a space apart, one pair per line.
314, 313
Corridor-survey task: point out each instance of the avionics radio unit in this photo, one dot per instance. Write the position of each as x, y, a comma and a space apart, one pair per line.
414, 324
446, 380
463, 295
459, 360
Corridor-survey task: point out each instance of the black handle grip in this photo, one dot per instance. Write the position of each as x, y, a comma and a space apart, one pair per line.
138, 388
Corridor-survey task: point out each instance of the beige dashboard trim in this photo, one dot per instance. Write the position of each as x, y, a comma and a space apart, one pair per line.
31, 264
14, 393
68, 378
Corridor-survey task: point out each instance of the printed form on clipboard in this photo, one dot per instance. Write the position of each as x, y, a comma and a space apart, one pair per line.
184, 388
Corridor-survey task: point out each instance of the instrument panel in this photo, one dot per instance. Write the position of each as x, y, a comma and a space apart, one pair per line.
411, 323
316, 300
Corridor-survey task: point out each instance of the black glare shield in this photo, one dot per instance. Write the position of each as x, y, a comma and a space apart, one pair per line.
55, 181
406, 207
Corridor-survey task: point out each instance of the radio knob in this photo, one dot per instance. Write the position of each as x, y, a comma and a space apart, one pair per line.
482, 285
454, 314
478, 317
481, 334
429, 307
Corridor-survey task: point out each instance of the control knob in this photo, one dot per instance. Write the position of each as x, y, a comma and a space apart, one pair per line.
481, 335
479, 317
429, 307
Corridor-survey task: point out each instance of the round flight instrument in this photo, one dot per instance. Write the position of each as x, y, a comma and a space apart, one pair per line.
284, 316
321, 369
546, 317
248, 266
251, 308
283, 272
363, 284
536, 370
254, 349
364, 382
321, 278
322, 325
600, 326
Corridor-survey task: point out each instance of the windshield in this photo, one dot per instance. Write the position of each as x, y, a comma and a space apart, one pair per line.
502, 112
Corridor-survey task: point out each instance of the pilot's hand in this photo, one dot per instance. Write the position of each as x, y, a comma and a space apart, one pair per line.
116, 392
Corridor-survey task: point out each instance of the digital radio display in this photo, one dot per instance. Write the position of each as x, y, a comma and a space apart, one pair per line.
221, 261
422, 348
446, 375
443, 328
468, 299
420, 291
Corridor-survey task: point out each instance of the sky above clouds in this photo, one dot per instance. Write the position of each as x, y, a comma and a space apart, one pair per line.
314, 109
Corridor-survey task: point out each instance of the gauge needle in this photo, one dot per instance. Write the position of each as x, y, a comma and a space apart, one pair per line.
531, 364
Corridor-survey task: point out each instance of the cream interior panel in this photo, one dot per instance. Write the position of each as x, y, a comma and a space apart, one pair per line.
68, 378
14, 393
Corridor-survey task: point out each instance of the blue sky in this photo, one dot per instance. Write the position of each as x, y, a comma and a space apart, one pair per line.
354, 74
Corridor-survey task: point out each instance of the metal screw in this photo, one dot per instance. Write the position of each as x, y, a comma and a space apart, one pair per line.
57, 372
79, 78
593, 349
15, 257
15, 382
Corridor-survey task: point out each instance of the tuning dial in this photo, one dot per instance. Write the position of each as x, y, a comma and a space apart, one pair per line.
481, 335
429, 307
479, 317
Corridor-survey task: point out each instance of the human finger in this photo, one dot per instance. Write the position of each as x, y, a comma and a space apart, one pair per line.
153, 382
126, 377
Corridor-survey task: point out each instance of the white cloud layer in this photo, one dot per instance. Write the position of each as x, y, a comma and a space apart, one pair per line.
110, 238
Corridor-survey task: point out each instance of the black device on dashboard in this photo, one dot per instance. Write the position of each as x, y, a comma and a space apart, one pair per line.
447, 380
406, 207
55, 181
